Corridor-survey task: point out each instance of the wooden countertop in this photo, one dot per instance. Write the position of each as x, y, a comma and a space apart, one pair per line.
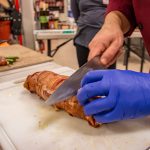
27, 57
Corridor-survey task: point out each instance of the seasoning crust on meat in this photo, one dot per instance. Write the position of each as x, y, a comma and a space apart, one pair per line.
45, 83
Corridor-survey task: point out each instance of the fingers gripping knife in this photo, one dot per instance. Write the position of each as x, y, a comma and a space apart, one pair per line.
72, 84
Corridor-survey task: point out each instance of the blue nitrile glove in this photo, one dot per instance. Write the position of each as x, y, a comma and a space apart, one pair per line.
126, 95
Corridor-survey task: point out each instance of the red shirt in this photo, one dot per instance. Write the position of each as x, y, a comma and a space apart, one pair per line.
137, 12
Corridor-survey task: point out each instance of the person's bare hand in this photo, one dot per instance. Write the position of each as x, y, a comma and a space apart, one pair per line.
107, 43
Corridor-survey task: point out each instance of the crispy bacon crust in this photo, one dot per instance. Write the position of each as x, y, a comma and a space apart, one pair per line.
45, 83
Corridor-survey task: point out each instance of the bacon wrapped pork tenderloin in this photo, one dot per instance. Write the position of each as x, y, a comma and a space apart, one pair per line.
45, 83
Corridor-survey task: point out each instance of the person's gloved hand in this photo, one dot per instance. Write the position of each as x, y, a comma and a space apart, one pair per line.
127, 95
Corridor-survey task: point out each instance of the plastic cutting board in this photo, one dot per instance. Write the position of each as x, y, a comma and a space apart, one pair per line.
30, 125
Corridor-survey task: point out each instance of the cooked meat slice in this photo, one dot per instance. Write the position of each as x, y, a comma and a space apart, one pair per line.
3, 61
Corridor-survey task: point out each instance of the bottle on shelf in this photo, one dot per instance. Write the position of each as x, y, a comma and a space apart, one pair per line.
47, 13
44, 15
51, 21
43, 20
56, 21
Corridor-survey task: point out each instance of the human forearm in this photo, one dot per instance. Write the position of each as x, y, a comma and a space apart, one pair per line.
109, 40
116, 18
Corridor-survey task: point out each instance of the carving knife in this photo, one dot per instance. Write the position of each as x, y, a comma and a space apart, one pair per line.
70, 86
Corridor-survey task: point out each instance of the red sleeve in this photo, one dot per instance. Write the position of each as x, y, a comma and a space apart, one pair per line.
125, 7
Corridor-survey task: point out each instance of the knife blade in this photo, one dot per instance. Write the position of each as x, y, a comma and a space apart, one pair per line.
70, 86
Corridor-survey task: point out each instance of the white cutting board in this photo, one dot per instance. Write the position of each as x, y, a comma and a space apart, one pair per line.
31, 125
